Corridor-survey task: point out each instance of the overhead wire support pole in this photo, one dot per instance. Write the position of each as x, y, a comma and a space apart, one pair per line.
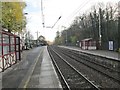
100, 36
119, 27
37, 36
42, 14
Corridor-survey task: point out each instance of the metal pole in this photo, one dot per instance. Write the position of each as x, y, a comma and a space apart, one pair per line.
2, 53
56, 21
42, 14
37, 36
66, 37
119, 26
100, 27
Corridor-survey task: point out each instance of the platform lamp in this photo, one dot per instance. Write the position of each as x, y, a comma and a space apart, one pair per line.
119, 27
65, 35
26, 35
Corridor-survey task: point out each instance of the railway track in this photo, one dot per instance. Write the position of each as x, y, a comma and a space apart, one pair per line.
108, 73
106, 69
71, 76
109, 63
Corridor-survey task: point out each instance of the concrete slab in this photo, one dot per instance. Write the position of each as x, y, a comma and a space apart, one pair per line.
48, 77
103, 53
44, 74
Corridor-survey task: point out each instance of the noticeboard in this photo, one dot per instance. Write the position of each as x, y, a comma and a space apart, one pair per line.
110, 45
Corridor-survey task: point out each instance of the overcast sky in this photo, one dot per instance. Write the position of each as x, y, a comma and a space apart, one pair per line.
52, 10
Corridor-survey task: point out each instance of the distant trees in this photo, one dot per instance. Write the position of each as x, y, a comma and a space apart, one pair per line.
58, 38
88, 25
13, 17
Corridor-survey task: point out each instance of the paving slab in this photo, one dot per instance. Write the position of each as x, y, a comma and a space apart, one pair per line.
103, 53
14, 76
44, 74
48, 77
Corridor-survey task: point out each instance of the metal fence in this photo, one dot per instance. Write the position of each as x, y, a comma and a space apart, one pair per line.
9, 50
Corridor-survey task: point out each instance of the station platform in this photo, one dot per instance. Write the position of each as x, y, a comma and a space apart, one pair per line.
44, 74
34, 71
102, 53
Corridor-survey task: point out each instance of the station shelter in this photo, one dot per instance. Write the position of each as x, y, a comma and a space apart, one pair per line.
10, 51
88, 44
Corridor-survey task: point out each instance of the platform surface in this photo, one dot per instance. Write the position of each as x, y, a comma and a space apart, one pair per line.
103, 53
44, 75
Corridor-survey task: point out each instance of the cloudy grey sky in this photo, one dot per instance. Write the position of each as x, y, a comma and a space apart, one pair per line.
52, 9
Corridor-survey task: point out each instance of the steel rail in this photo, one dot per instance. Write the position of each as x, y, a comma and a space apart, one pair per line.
111, 77
95, 86
88, 53
77, 54
98, 63
68, 87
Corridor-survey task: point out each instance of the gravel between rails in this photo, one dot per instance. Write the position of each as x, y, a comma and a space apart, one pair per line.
72, 77
96, 77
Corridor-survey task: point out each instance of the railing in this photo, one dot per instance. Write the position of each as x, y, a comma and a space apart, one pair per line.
9, 49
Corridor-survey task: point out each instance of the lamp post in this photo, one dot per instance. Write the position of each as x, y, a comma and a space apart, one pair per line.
77, 43
23, 42
65, 35
37, 37
100, 36
25, 38
119, 26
